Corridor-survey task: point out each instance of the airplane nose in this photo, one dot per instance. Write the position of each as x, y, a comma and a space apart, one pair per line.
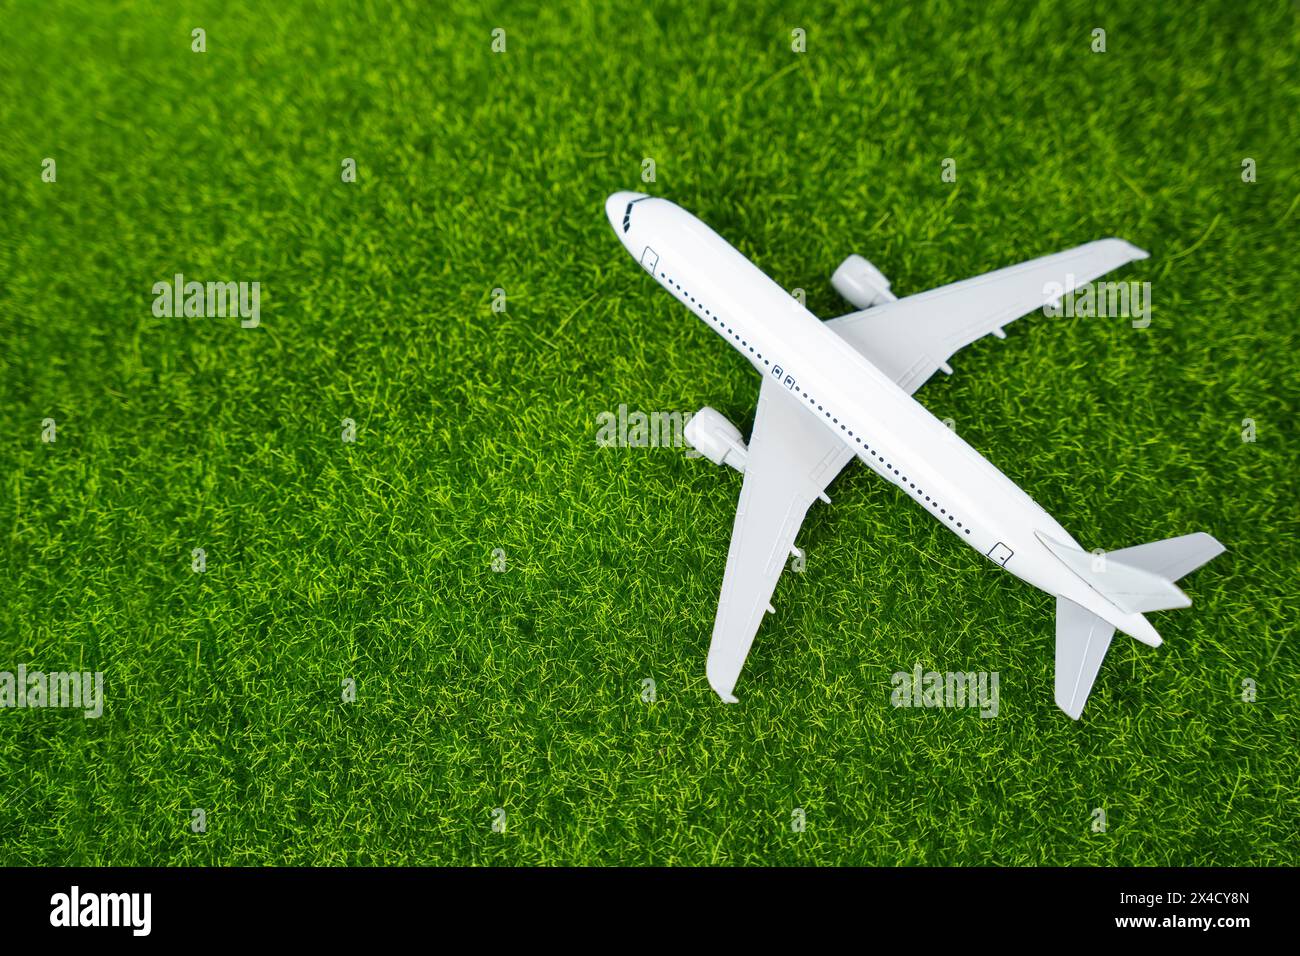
616, 208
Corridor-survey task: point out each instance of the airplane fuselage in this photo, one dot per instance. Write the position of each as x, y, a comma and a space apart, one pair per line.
886, 428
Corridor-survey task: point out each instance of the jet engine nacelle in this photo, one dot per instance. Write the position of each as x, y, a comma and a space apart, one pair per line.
709, 433
861, 283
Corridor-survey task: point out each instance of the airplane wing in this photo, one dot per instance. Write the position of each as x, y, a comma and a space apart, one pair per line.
792, 458
910, 339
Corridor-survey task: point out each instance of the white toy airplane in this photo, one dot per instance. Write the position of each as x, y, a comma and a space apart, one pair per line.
833, 390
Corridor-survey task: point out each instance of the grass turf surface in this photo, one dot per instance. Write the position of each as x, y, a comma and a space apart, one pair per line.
476, 431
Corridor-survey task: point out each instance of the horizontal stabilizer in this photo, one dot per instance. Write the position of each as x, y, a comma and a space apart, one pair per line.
1172, 558
1082, 640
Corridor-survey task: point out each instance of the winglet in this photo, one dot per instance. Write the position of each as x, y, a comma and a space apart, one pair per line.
1131, 251
720, 683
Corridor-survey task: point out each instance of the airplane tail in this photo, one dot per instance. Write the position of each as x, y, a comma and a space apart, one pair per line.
1133, 579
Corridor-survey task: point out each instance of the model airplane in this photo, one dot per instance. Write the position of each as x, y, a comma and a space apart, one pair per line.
838, 389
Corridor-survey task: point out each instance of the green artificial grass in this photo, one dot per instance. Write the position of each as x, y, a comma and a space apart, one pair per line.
476, 431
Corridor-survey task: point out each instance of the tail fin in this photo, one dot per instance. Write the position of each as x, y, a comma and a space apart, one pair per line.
1134, 580
1141, 578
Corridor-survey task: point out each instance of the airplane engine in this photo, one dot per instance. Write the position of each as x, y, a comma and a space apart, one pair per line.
861, 283
709, 433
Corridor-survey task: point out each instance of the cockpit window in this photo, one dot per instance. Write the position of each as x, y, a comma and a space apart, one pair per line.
627, 213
